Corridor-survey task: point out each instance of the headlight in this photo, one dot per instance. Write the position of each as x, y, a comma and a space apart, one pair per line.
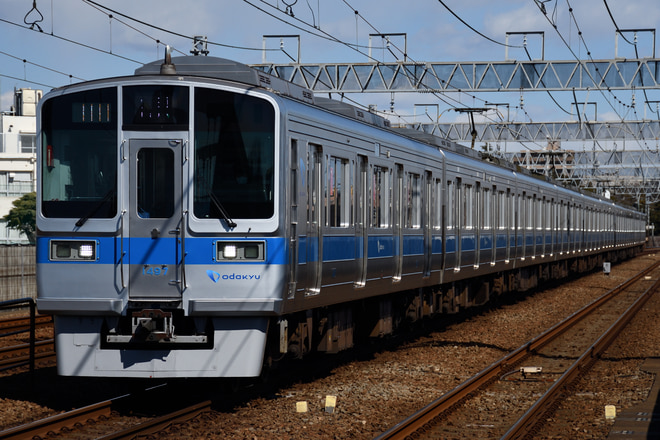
73, 250
229, 251
240, 251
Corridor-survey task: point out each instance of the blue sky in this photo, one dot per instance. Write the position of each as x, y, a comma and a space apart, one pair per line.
433, 34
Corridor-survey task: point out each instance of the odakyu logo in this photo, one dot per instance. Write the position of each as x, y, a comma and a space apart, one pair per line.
215, 276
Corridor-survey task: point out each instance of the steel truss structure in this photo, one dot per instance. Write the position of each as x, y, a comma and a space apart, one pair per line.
626, 172
492, 76
629, 170
633, 173
648, 130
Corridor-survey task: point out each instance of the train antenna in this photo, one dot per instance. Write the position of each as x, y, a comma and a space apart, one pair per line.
167, 68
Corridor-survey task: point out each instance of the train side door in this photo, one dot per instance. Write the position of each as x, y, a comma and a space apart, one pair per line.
314, 240
294, 179
361, 222
458, 216
427, 222
523, 224
477, 223
510, 223
398, 222
156, 221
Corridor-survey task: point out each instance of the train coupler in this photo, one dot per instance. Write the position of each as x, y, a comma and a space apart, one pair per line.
155, 328
152, 325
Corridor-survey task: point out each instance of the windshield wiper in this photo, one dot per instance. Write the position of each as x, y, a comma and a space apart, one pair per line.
221, 209
96, 207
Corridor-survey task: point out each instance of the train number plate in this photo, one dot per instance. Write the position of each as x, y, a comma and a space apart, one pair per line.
154, 271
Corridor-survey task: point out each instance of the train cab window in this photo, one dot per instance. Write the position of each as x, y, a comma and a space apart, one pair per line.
150, 107
380, 197
234, 150
79, 155
338, 199
413, 201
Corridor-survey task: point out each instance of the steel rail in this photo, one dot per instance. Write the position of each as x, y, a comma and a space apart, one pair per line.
69, 419
432, 414
160, 423
22, 323
14, 361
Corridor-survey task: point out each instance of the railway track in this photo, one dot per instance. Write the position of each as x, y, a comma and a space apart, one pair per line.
18, 355
425, 365
571, 341
80, 418
15, 325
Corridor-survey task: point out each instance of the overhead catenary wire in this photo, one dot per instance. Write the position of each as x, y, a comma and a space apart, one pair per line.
561, 36
27, 81
70, 76
600, 89
78, 43
616, 26
473, 29
161, 29
412, 74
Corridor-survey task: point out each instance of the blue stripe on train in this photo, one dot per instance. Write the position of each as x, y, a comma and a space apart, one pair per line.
202, 250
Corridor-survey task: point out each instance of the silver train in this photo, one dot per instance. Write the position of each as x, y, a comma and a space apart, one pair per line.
203, 219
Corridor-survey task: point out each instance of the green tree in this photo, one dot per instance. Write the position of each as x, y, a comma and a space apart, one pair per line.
23, 216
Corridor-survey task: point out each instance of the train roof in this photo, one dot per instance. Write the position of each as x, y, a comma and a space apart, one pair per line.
228, 70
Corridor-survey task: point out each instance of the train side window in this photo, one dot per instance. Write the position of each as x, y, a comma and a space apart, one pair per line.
381, 196
338, 211
487, 208
413, 201
451, 204
502, 208
437, 205
468, 207
523, 223
511, 210
477, 207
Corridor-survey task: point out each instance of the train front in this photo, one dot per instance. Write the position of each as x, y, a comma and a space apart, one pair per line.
157, 215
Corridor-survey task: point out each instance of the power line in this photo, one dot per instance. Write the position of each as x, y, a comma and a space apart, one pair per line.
40, 66
27, 81
632, 44
177, 34
68, 40
473, 29
615, 25
110, 16
412, 74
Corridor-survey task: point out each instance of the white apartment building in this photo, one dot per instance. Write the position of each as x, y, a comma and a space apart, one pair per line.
18, 156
